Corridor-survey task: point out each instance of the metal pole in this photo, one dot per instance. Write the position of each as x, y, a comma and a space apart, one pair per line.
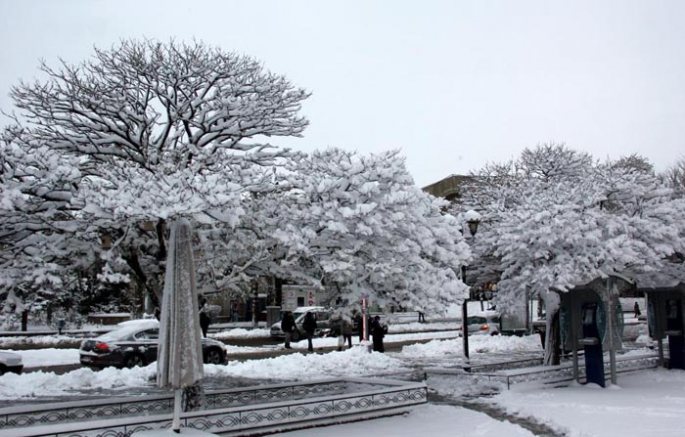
364, 321
529, 313
612, 341
465, 335
574, 334
658, 326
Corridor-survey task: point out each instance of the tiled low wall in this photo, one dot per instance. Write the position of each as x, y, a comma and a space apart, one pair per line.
235, 412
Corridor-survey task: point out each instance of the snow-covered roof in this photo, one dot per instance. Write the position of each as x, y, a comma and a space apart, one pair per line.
307, 309
670, 275
139, 323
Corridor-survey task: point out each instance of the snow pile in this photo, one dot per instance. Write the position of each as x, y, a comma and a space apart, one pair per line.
240, 333
42, 384
351, 362
477, 344
44, 340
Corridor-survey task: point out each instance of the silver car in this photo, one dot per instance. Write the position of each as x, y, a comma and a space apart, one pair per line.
484, 323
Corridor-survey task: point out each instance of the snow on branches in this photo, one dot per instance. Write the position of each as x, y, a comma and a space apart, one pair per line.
372, 231
143, 132
561, 220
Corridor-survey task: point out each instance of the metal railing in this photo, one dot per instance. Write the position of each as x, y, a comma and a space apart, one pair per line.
243, 411
550, 374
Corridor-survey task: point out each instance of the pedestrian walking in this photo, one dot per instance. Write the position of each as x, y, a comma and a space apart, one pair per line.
346, 334
369, 327
235, 316
636, 310
335, 323
378, 331
309, 326
358, 324
205, 319
287, 326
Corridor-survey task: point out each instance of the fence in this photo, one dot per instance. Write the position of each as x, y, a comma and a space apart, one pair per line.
550, 374
244, 412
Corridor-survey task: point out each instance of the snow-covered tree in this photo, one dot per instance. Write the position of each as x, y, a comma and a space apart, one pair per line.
569, 220
368, 230
111, 148
675, 177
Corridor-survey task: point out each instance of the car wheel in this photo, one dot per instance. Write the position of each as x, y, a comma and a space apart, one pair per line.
295, 336
2, 370
134, 360
214, 356
495, 333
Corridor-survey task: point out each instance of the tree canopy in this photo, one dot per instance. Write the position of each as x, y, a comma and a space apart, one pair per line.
555, 218
102, 154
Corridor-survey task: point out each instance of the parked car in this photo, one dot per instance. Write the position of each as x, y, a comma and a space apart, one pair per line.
10, 362
322, 326
134, 343
484, 323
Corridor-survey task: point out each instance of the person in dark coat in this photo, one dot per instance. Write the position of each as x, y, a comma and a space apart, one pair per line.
369, 326
205, 320
287, 326
346, 333
378, 331
636, 310
309, 326
358, 324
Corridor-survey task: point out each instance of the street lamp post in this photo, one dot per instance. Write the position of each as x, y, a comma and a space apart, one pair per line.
466, 362
472, 220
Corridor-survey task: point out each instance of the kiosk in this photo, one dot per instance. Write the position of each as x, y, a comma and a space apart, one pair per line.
592, 344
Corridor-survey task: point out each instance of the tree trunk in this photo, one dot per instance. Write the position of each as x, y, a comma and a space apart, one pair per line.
278, 290
255, 304
193, 397
552, 340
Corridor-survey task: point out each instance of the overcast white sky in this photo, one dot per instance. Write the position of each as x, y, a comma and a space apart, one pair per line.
454, 84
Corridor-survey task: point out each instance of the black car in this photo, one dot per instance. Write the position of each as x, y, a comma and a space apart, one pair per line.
10, 362
135, 344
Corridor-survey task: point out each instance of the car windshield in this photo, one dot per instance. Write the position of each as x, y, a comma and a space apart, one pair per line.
148, 334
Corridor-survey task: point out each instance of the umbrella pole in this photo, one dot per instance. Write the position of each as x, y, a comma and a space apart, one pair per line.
176, 422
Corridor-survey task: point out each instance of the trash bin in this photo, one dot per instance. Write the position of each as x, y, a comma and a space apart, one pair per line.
592, 345
273, 315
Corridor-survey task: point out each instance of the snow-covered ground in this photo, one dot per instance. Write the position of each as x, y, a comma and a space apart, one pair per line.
645, 403
424, 420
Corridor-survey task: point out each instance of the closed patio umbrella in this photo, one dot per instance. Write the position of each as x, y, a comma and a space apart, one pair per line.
179, 361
